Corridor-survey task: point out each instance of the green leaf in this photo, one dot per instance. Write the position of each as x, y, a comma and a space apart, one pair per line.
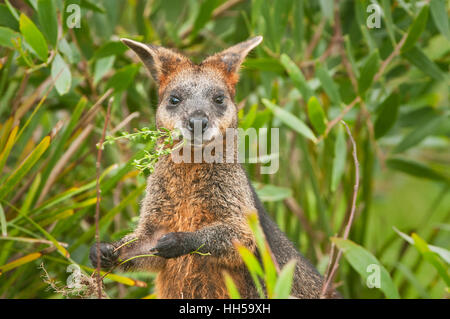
340, 154
88, 4
3, 223
231, 287
123, 78
290, 120
63, 196
59, 210
432, 258
440, 16
272, 193
413, 280
367, 266
296, 76
264, 64
7, 149
69, 51
387, 15
31, 194
283, 285
388, 111
416, 29
12, 10
107, 218
109, 184
254, 267
350, 55
204, 15
17, 175
33, 4
62, 215
262, 118
61, 75
368, 71
7, 19
415, 169
5, 131
20, 261
270, 273
420, 133
418, 58
71, 192
33, 37
110, 48
247, 121
64, 137
250, 260
102, 66
327, 9
58, 246
442, 252
316, 115
328, 84
47, 18
6, 36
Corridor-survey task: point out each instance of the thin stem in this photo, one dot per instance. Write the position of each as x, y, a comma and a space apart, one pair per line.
97, 208
329, 277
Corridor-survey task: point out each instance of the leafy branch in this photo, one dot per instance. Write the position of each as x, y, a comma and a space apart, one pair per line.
163, 137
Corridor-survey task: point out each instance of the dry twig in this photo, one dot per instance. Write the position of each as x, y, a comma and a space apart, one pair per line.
97, 207
331, 272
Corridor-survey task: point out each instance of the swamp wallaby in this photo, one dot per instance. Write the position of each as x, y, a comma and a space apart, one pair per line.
200, 206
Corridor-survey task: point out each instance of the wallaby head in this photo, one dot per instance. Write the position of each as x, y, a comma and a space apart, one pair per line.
195, 97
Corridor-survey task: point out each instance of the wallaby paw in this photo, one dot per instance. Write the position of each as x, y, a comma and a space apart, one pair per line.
173, 245
108, 255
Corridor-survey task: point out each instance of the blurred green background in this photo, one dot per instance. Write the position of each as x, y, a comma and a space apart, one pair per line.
319, 60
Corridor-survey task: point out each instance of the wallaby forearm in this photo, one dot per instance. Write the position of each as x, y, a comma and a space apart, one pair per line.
218, 241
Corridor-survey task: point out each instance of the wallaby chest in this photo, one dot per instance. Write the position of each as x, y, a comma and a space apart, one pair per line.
187, 197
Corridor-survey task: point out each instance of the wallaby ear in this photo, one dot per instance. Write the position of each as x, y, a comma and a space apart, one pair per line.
231, 59
159, 61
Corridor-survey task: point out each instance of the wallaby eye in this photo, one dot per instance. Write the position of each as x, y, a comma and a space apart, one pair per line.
219, 99
174, 100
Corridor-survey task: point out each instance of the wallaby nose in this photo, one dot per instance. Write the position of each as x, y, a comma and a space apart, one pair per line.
200, 118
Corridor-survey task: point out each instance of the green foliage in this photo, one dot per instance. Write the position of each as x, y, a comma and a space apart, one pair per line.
290, 120
361, 260
276, 285
390, 84
61, 75
47, 18
166, 138
316, 115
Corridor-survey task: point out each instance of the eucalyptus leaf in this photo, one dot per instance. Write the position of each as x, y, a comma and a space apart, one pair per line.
61, 75
47, 18
416, 29
367, 266
6, 37
317, 115
415, 169
290, 120
33, 37
296, 76
440, 16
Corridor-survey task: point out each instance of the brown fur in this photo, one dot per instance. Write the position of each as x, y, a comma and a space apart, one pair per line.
164, 210
202, 206
196, 276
